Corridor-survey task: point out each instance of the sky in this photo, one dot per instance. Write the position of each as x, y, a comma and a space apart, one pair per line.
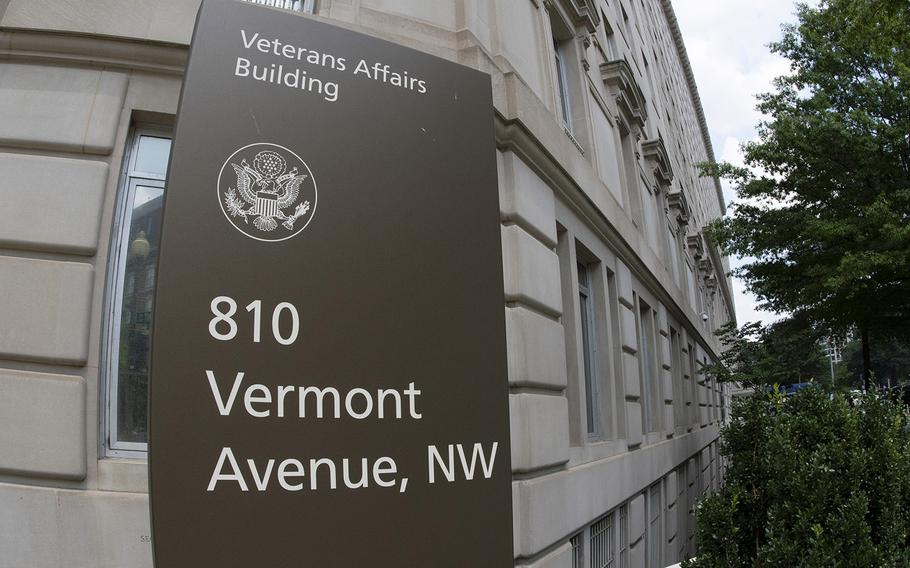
727, 42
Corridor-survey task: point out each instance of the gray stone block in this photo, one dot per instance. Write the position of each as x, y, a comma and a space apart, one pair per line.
628, 330
536, 350
60, 108
672, 487
633, 423
530, 271
525, 199
560, 557
631, 375
671, 520
42, 424
46, 309
52, 528
539, 431
636, 518
624, 284
637, 555
51, 204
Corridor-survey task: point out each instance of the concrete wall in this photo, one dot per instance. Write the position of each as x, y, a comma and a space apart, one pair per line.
73, 79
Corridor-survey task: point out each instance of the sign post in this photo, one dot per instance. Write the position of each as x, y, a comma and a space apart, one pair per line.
329, 380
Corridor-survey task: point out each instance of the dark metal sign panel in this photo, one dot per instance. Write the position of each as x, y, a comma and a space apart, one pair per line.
329, 365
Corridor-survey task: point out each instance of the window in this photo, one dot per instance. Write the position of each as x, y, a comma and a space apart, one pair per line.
626, 24
692, 395
650, 381
679, 403
681, 512
577, 551
609, 38
306, 6
630, 172
589, 349
693, 471
655, 540
603, 543
624, 536
134, 249
562, 83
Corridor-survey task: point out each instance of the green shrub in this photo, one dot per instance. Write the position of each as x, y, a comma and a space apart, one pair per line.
811, 480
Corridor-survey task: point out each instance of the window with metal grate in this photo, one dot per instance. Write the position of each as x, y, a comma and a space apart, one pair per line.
603, 545
305, 6
577, 551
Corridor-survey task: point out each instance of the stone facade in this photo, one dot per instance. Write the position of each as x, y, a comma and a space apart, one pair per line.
612, 289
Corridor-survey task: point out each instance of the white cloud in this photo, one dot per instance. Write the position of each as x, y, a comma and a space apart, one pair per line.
727, 43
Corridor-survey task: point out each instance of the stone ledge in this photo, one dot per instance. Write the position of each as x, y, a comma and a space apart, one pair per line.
553, 506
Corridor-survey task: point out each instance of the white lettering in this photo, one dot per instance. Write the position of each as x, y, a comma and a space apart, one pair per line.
261, 482
248, 43
243, 67
249, 398
224, 408
384, 466
217, 475
478, 451
448, 472
349, 406
283, 474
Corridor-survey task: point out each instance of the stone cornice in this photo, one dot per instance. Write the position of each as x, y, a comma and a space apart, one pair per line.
514, 136
581, 12
723, 279
696, 244
693, 90
621, 83
93, 51
679, 205
655, 152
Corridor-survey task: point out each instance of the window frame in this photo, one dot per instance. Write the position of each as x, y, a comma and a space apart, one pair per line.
603, 553
654, 550
562, 84
588, 322
306, 6
129, 179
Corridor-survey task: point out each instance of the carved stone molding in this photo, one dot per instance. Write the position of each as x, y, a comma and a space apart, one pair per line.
706, 267
679, 206
656, 153
582, 13
696, 245
620, 82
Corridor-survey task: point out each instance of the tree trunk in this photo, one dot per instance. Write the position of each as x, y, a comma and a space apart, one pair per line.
867, 359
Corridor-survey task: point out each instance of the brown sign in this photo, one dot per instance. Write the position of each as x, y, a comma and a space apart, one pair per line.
329, 365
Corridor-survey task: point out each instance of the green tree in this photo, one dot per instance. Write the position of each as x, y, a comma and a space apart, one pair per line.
785, 352
890, 362
814, 480
827, 218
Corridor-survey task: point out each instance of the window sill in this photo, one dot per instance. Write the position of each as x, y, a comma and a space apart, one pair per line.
573, 139
128, 475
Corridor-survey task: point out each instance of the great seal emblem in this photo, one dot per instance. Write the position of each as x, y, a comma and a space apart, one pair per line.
267, 192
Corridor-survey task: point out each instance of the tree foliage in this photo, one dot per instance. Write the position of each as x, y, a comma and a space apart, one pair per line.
783, 353
812, 480
827, 218
890, 362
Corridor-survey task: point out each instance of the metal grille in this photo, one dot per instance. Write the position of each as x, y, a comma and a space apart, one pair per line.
603, 553
624, 536
307, 6
575, 541
655, 539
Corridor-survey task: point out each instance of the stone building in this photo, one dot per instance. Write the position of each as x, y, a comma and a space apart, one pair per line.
612, 288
